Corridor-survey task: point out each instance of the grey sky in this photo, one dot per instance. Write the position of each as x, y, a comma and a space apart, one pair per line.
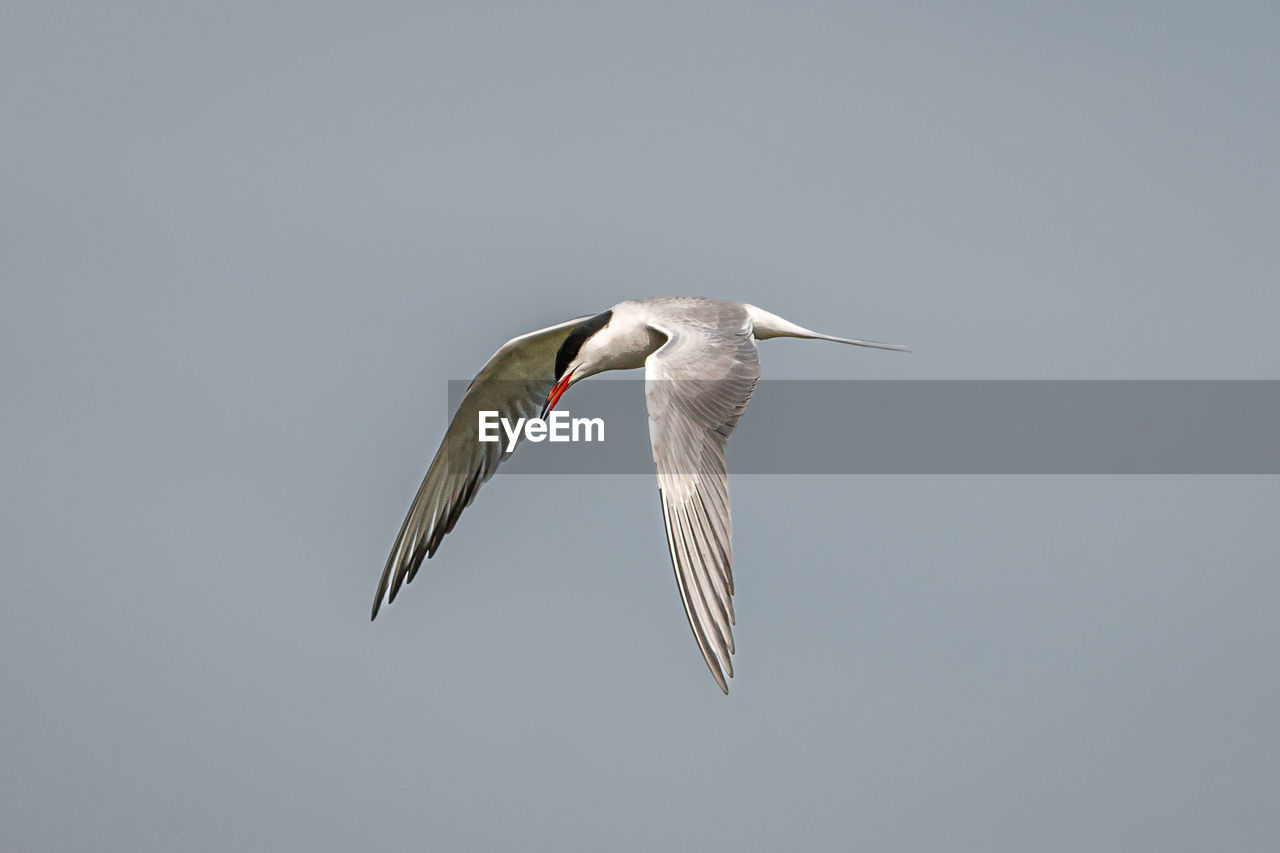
246, 245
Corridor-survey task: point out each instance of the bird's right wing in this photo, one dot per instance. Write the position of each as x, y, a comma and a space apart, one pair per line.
697, 385
514, 383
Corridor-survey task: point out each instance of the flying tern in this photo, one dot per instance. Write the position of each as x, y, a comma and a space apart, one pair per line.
701, 366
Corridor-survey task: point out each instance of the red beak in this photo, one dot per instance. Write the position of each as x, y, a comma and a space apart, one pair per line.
556, 391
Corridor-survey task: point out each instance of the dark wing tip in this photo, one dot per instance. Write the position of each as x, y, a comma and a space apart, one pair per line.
382, 592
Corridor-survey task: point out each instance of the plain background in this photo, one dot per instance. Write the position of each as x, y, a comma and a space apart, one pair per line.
245, 245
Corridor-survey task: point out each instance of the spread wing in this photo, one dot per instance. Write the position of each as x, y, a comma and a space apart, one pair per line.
697, 385
514, 383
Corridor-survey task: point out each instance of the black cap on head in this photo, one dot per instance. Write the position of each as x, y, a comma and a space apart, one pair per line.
569, 349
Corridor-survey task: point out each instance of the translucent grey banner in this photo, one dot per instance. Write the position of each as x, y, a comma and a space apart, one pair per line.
942, 427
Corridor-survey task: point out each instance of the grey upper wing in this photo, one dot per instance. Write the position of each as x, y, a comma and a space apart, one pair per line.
514, 383
697, 386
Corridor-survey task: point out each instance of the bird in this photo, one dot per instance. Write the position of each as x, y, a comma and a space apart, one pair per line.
701, 367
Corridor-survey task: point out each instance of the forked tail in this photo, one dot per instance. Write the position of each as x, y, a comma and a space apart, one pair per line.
768, 325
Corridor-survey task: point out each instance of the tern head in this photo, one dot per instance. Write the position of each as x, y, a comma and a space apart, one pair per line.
585, 352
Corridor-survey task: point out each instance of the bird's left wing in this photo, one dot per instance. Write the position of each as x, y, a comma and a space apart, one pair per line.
514, 383
697, 385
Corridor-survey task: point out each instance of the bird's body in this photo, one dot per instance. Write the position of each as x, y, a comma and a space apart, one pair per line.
701, 366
